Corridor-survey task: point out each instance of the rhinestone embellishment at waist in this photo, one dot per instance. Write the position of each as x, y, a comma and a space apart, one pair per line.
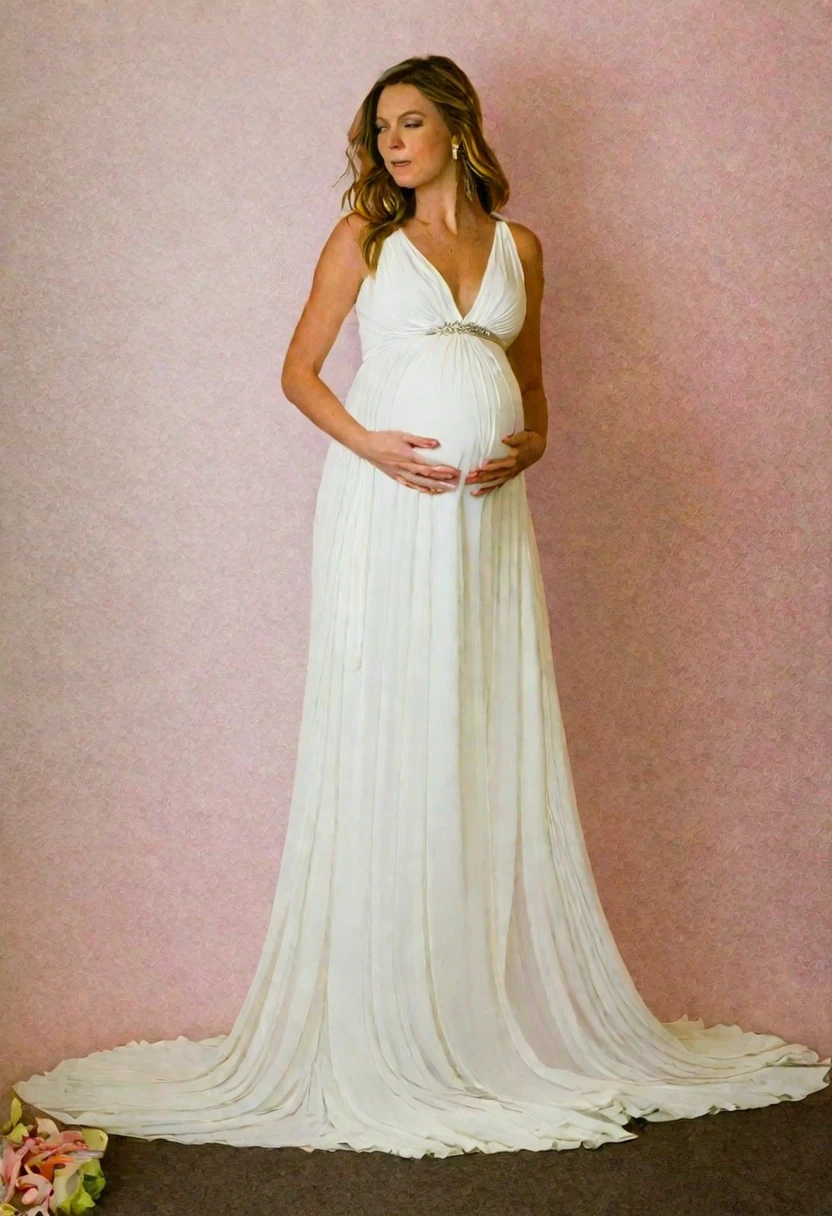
466, 327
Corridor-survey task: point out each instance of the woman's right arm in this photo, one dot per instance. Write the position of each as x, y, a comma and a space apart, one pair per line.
335, 285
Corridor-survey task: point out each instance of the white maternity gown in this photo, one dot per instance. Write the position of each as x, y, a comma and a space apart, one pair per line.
438, 975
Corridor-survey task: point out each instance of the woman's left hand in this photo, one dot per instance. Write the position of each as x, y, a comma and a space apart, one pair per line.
527, 448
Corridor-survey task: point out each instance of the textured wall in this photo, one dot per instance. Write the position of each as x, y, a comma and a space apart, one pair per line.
170, 178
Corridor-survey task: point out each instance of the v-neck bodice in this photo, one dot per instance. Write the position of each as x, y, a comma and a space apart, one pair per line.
408, 298
494, 238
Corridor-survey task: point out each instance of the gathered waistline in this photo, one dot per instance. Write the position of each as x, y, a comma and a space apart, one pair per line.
467, 327
449, 327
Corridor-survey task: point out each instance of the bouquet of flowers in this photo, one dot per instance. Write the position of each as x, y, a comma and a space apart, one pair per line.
50, 1173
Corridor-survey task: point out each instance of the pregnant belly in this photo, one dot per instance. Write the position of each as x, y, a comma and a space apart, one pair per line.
456, 389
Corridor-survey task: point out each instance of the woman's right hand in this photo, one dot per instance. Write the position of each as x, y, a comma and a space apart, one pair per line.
392, 452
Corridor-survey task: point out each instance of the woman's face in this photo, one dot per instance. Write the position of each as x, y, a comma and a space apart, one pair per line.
410, 128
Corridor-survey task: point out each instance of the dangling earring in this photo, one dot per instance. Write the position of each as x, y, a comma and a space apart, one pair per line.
469, 185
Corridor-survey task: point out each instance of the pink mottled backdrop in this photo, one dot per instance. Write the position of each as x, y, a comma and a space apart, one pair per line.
170, 177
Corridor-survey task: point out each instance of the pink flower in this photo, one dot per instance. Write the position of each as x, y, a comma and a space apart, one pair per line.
58, 1171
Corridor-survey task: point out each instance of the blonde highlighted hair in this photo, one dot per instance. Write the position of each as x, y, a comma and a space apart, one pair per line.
374, 194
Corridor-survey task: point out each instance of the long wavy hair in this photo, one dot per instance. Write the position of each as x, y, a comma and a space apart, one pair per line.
374, 194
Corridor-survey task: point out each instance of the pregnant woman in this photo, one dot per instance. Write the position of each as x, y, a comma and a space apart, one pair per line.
438, 975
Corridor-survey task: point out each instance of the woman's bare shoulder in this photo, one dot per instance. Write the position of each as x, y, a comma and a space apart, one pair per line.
355, 223
342, 251
527, 242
